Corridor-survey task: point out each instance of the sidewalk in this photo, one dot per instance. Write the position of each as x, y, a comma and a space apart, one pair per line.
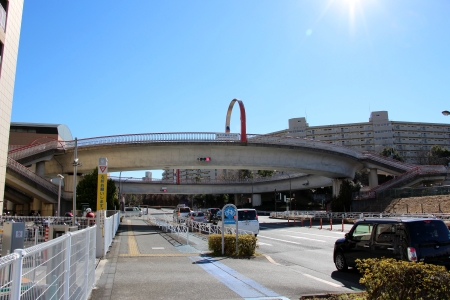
138, 251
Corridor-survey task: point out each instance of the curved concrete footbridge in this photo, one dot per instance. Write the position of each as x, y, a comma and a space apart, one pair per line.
305, 163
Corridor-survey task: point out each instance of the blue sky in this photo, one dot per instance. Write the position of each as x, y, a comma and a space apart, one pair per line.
141, 66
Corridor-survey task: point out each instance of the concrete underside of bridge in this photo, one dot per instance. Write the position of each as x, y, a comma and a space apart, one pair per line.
178, 155
283, 185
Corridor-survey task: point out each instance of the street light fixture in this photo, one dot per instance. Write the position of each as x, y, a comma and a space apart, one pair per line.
446, 112
58, 213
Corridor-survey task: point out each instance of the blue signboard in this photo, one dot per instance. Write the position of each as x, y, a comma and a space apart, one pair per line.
229, 214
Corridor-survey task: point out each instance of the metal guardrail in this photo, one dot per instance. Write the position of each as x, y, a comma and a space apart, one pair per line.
63, 268
352, 215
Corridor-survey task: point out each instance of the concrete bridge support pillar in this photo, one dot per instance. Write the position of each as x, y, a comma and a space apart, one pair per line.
36, 206
40, 168
68, 182
10, 206
237, 198
336, 187
373, 178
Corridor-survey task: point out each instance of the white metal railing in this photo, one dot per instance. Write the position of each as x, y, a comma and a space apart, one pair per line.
24, 171
63, 268
305, 215
106, 232
17, 153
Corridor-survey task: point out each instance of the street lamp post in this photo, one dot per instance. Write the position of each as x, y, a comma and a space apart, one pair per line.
75, 164
275, 193
290, 188
122, 207
58, 213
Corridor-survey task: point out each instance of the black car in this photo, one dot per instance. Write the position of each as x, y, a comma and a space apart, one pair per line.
411, 239
210, 213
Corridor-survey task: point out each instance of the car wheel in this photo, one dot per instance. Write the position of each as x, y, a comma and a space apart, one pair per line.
340, 263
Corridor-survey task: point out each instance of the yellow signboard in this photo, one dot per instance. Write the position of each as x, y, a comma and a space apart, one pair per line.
102, 184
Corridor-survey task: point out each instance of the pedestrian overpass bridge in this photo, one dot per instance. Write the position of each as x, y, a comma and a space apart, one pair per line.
305, 163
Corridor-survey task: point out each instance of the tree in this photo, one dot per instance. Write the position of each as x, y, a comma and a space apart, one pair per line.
438, 156
362, 178
87, 192
265, 173
343, 202
243, 174
392, 153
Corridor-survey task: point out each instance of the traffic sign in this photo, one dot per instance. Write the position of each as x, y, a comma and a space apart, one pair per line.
229, 215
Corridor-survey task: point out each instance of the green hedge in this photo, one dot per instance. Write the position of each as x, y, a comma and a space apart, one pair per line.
246, 244
401, 280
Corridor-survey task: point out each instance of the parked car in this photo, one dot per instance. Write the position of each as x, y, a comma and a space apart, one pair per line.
210, 213
412, 239
132, 212
181, 213
197, 216
247, 218
216, 217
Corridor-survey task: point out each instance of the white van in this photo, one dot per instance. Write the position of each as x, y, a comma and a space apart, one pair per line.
181, 213
248, 221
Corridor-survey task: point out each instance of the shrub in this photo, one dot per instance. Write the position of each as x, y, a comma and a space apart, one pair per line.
246, 244
393, 279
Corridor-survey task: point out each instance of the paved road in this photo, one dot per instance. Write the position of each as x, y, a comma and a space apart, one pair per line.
145, 263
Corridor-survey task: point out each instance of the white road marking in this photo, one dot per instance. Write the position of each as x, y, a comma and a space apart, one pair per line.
259, 243
266, 237
321, 280
327, 236
304, 238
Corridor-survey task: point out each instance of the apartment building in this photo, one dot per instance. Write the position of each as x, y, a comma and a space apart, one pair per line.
412, 140
10, 24
187, 175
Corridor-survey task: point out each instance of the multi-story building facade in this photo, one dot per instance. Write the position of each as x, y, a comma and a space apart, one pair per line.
195, 174
10, 24
412, 140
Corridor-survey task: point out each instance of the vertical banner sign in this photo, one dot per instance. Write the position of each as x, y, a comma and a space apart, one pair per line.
101, 184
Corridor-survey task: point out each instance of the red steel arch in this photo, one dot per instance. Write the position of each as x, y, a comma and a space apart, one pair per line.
243, 121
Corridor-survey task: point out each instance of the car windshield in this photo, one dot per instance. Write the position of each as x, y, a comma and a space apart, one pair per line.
185, 210
428, 231
247, 215
200, 214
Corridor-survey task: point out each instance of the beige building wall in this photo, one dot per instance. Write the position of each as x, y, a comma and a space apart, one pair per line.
412, 140
10, 39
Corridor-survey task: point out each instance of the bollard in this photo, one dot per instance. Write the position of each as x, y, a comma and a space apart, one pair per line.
301, 223
310, 222
331, 223
342, 224
320, 223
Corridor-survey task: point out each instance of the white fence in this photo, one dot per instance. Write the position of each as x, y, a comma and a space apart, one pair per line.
165, 222
62, 268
